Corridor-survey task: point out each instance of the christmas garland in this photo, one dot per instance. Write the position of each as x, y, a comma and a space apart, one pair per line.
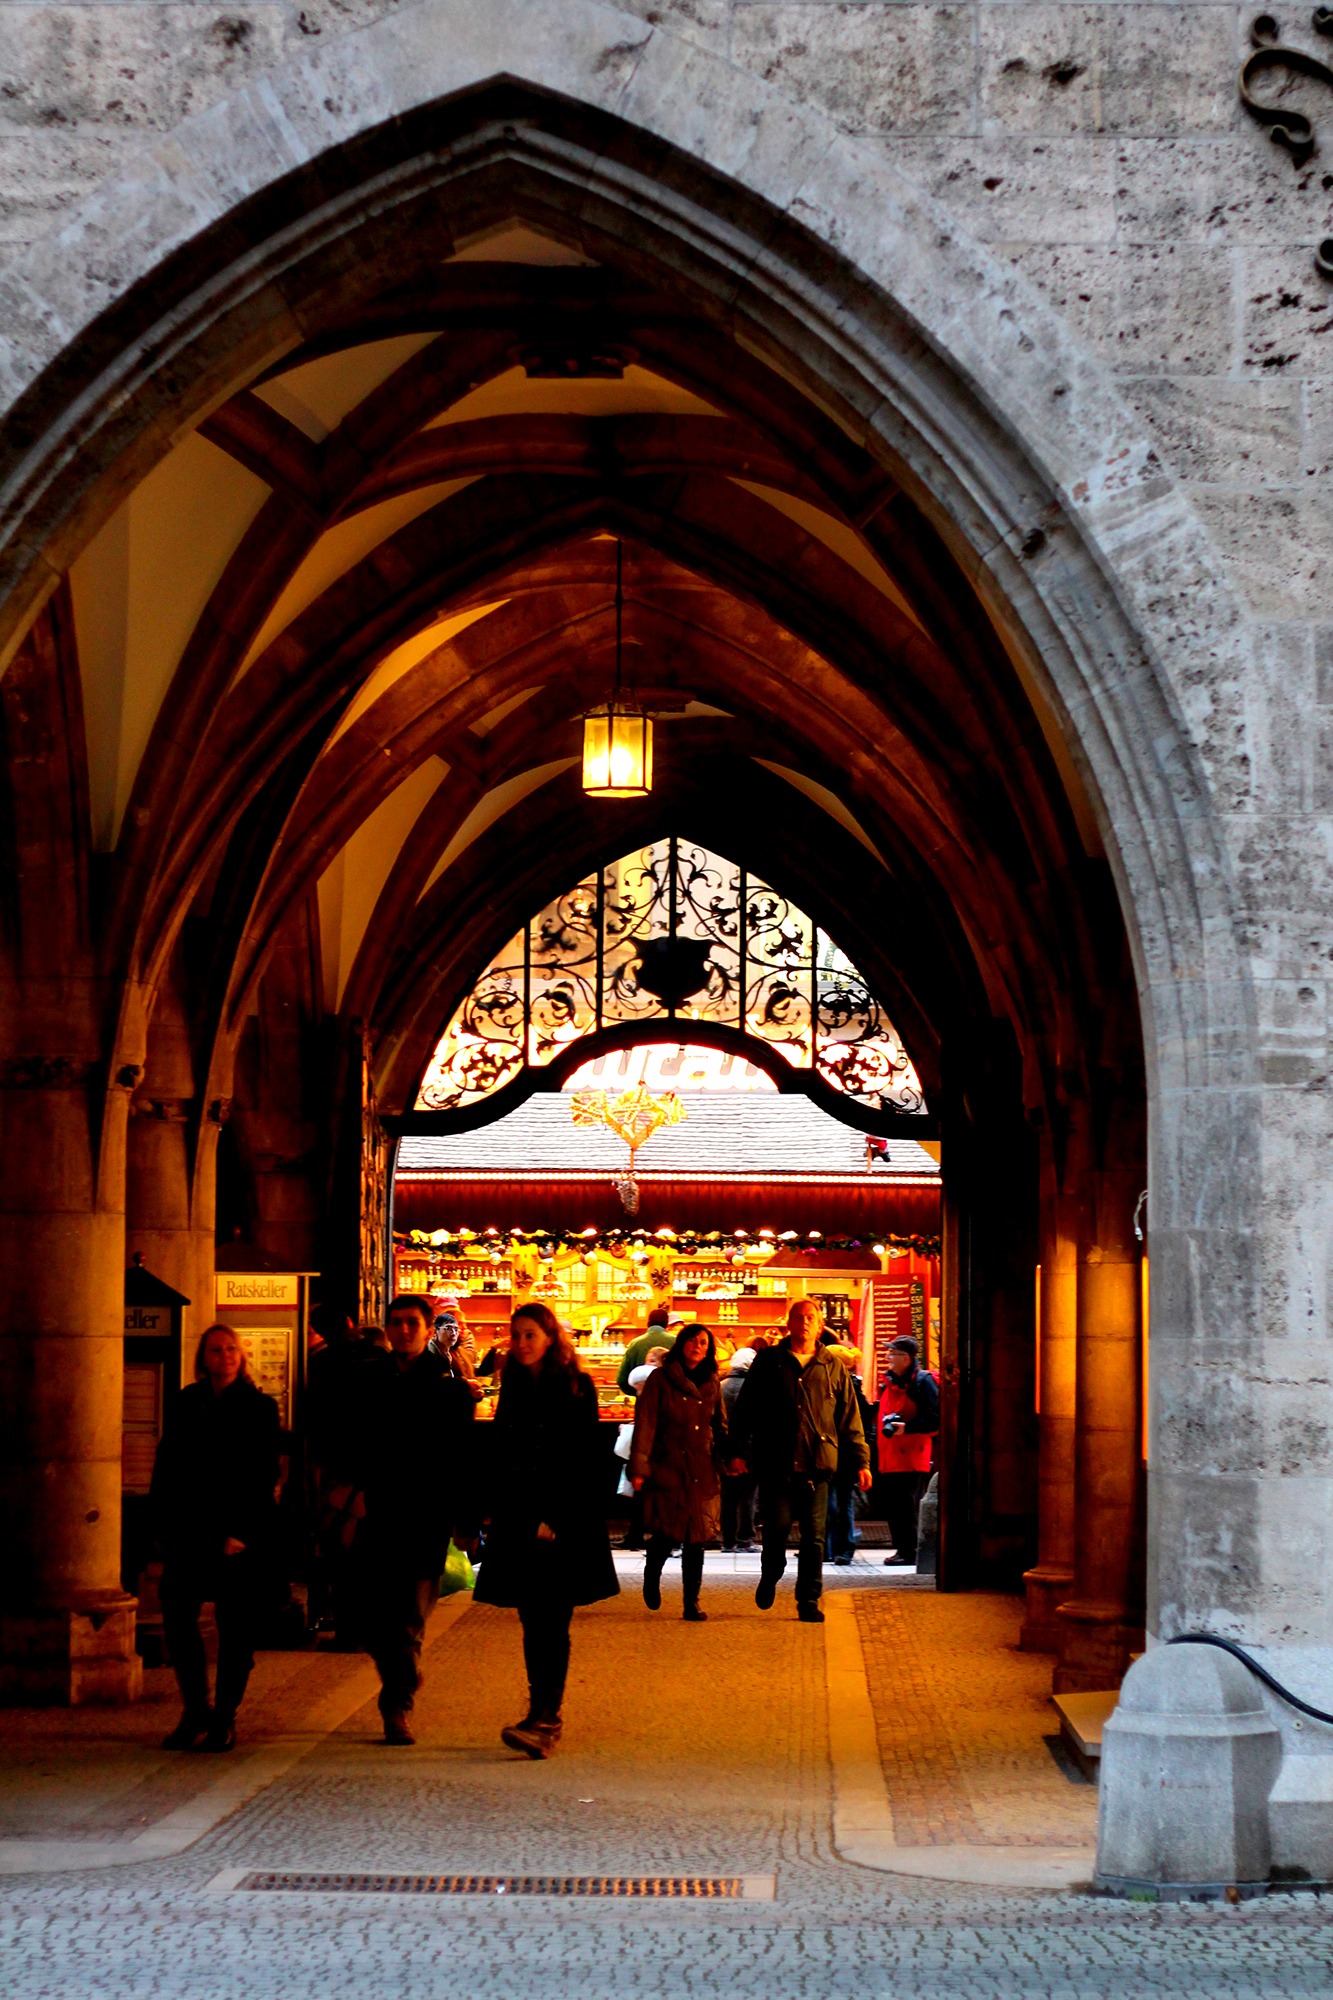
735, 1243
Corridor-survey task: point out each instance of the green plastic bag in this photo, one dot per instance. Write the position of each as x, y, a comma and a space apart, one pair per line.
458, 1573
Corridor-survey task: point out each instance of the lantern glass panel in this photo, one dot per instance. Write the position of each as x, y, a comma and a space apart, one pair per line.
617, 754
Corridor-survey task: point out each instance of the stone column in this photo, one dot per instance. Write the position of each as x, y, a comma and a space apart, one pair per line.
170, 1173
1051, 1581
1102, 1622
66, 1623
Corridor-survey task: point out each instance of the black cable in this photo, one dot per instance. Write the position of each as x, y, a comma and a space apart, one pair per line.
1261, 1673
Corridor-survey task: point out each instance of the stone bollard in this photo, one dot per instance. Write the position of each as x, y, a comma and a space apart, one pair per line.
928, 1528
1189, 1756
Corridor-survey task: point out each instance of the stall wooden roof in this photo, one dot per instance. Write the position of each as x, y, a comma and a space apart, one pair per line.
737, 1161
737, 1135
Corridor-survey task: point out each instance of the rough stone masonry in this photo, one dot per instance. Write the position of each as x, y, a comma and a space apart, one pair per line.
1099, 153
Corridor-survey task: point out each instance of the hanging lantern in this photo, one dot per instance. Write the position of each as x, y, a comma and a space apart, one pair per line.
617, 754
617, 738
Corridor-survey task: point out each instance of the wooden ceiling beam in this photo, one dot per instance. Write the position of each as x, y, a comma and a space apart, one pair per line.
270, 447
600, 448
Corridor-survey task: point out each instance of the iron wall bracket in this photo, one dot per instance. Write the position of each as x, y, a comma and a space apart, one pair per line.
1287, 127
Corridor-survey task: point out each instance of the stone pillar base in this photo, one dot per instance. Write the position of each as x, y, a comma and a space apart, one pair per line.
1096, 1642
1047, 1587
58, 1657
1188, 1761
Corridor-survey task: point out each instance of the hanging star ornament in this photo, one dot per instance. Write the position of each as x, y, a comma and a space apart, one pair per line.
634, 1116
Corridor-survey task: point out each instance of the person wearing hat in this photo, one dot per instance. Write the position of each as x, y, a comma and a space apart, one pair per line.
907, 1421
454, 1338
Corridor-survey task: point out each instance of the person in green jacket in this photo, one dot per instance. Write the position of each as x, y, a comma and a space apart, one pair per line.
655, 1335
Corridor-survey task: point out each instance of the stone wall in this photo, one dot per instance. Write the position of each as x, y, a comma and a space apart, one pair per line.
1101, 151
1100, 148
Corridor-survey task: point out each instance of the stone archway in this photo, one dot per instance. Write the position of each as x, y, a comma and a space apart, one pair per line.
258, 217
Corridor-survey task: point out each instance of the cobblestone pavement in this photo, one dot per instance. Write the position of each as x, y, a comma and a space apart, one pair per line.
688, 1749
82, 1774
969, 1741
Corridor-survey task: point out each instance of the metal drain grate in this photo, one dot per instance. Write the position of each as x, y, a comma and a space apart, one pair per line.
693, 1886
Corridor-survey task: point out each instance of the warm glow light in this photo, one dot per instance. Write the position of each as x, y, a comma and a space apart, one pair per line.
1036, 1309
617, 754
1143, 1354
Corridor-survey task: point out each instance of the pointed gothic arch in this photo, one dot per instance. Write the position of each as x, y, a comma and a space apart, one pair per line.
955, 414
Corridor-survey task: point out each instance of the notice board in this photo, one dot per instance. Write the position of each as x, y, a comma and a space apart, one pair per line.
266, 1310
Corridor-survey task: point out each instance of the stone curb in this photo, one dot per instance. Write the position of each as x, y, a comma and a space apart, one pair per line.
863, 1831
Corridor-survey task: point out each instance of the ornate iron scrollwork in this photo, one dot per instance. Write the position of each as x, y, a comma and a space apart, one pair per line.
672, 932
1288, 128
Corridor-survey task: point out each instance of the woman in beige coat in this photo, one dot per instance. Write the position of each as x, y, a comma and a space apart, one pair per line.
676, 1456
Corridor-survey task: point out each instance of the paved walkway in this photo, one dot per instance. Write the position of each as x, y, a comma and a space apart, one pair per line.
689, 1749
969, 1742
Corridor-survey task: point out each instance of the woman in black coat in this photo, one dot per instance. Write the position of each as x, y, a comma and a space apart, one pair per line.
213, 1499
547, 1547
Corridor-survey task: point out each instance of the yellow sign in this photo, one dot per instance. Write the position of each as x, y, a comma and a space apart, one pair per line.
257, 1288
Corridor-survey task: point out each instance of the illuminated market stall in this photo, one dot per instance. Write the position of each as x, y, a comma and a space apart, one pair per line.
749, 1199
671, 1005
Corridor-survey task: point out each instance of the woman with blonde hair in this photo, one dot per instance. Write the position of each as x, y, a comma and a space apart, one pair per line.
213, 1498
547, 1548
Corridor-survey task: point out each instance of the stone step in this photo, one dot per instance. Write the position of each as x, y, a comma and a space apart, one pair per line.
1082, 1717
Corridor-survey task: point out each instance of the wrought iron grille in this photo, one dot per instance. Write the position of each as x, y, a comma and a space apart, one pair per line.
672, 933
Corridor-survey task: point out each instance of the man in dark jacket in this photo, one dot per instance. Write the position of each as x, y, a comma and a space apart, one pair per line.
418, 1479
795, 1416
335, 1411
213, 1492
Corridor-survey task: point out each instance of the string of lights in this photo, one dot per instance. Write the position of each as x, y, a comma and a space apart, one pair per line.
739, 1244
